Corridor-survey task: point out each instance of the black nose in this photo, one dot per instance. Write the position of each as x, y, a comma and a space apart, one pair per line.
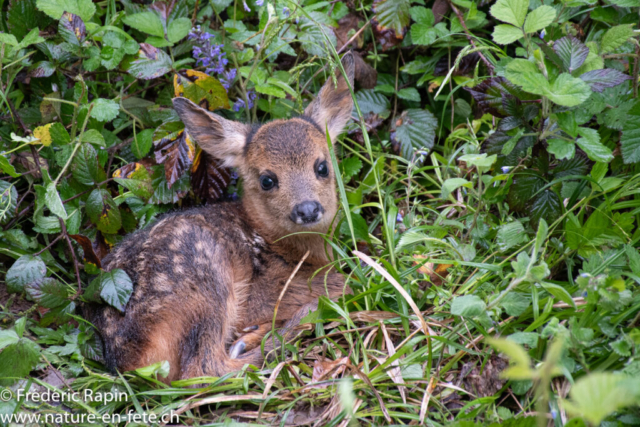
307, 212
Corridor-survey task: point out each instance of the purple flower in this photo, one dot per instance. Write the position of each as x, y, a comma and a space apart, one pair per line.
251, 97
246, 8
206, 54
285, 12
227, 78
259, 2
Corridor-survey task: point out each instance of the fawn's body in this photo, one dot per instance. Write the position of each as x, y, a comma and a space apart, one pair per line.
203, 274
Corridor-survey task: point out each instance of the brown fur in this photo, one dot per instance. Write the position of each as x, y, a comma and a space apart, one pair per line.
204, 274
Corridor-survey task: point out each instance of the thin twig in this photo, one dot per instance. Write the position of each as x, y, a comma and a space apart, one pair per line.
63, 228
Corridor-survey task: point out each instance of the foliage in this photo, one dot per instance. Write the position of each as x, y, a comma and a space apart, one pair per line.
492, 173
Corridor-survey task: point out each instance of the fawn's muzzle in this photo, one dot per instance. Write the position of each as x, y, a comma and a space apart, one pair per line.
307, 212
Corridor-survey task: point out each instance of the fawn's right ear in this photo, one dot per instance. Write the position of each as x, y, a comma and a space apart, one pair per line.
223, 139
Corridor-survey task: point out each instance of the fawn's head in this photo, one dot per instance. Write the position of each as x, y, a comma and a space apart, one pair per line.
288, 177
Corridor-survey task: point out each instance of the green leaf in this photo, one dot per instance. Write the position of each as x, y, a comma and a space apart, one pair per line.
520, 368
48, 292
598, 394
524, 338
572, 52
147, 22
85, 9
9, 39
104, 110
590, 144
72, 29
506, 34
370, 101
510, 11
178, 29
523, 189
392, 15
561, 149
468, 306
7, 167
415, 130
8, 337
452, 184
27, 269
17, 360
510, 235
515, 303
615, 37
23, 17
559, 292
54, 202
150, 63
92, 136
409, 94
482, 162
527, 75
271, 91
85, 167
546, 206
541, 236
568, 91
539, 19
630, 140
103, 211
115, 288
350, 167
142, 143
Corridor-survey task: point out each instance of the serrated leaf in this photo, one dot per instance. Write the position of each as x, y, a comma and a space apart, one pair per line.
539, 18
598, 394
48, 292
72, 29
370, 101
599, 80
103, 211
115, 288
8, 198
392, 15
350, 167
8, 337
142, 143
85, 167
54, 202
178, 29
468, 306
523, 189
615, 37
414, 130
506, 34
494, 93
27, 269
510, 235
630, 140
515, 303
547, 206
17, 360
150, 63
559, 292
85, 9
579, 165
409, 94
147, 22
510, 11
527, 75
23, 17
590, 144
571, 51
202, 89
104, 110
568, 91
561, 149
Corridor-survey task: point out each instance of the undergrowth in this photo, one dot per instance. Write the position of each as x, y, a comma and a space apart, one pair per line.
489, 186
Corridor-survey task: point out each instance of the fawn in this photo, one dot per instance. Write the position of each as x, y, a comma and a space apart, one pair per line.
205, 273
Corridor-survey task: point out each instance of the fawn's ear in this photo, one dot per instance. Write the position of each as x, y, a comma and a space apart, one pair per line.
223, 139
332, 108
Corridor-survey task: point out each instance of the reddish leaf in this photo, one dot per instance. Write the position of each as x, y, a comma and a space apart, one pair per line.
209, 180
72, 29
94, 251
176, 151
493, 94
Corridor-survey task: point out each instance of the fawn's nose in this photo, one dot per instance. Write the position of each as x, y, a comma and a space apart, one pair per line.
307, 212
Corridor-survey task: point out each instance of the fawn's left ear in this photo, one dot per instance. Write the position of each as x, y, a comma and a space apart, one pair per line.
332, 108
223, 139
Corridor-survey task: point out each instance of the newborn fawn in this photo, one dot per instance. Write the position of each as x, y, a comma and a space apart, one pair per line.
204, 274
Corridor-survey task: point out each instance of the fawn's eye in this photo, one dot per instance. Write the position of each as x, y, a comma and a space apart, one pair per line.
322, 169
267, 182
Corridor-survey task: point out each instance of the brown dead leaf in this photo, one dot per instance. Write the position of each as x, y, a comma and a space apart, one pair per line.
176, 151
209, 179
371, 316
26, 160
436, 272
347, 26
327, 369
94, 251
440, 9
